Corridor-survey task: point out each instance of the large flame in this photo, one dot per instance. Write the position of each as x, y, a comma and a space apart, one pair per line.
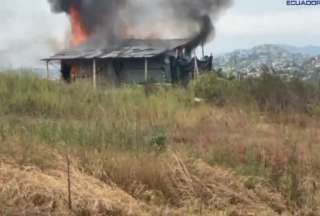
79, 31
79, 35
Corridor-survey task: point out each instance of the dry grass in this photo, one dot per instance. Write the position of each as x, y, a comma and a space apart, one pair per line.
29, 191
284, 156
199, 190
154, 154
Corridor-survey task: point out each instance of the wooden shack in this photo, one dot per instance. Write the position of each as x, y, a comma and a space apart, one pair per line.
128, 61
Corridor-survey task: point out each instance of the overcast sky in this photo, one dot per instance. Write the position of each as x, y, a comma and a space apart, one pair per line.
252, 22
29, 31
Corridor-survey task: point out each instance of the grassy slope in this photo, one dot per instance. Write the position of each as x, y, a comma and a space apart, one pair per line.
156, 154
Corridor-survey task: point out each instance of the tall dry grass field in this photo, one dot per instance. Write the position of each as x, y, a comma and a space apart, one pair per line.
249, 148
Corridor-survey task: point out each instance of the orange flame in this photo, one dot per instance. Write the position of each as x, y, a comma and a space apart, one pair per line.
79, 31
74, 72
79, 35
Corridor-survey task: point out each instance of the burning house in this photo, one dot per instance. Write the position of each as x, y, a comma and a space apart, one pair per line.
132, 61
115, 41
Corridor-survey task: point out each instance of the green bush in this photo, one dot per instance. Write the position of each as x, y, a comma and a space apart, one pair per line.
211, 88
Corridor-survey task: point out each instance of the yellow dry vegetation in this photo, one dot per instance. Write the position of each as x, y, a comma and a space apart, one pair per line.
201, 189
137, 152
30, 191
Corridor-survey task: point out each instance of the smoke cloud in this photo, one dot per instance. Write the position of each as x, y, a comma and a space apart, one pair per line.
29, 33
108, 20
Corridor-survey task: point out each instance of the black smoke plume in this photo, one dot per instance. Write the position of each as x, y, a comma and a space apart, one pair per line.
107, 19
199, 13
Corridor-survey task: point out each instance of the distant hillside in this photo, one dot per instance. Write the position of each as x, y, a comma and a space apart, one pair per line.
289, 61
308, 50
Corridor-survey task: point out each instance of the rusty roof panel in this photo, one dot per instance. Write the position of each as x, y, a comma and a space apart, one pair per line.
123, 49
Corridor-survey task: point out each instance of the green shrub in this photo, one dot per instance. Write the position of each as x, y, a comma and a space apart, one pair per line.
211, 88
158, 142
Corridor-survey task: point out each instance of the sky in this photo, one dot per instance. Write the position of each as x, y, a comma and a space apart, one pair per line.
252, 22
30, 31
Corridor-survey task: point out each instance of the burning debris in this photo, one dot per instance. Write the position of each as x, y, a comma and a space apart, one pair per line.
135, 41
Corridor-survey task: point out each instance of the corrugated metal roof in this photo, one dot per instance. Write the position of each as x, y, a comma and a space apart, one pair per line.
124, 49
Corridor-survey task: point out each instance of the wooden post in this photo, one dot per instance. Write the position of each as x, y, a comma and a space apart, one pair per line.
146, 70
94, 79
202, 47
196, 68
69, 182
48, 72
